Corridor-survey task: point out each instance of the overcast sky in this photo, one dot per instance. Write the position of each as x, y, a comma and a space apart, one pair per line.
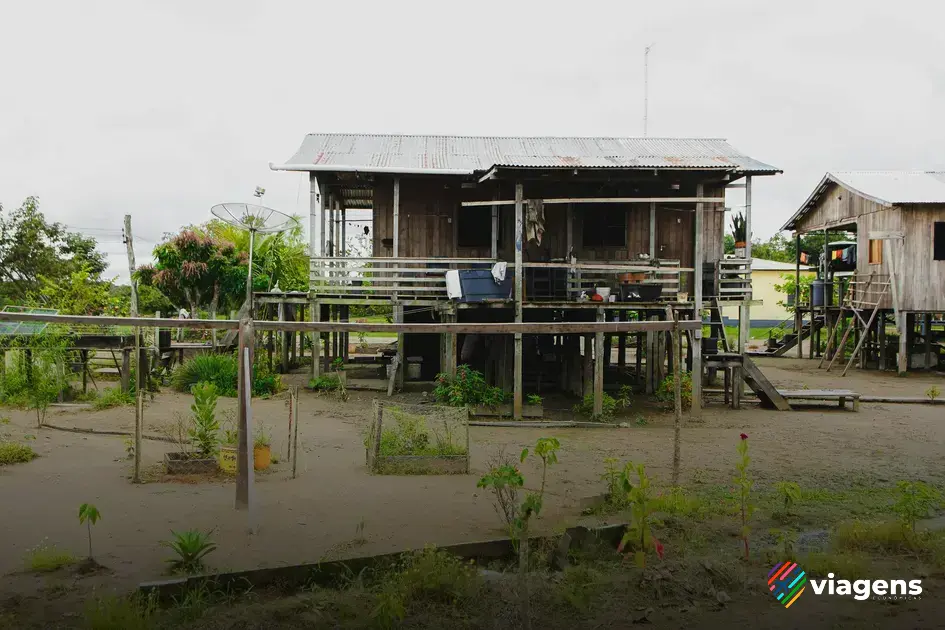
161, 109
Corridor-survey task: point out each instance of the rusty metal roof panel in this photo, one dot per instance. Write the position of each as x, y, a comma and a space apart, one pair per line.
470, 154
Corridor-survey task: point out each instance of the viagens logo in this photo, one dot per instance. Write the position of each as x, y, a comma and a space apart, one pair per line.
865, 589
787, 582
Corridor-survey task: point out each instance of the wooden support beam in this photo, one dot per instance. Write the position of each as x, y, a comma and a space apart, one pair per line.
510, 202
927, 338
599, 363
531, 328
744, 311
495, 228
798, 315
519, 281
283, 343
652, 229
698, 257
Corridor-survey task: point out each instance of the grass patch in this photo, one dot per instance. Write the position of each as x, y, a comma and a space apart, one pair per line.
13, 453
849, 565
325, 383
411, 436
45, 558
113, 397
120, 613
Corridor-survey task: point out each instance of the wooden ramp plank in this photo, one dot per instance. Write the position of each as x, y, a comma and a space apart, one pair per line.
759, 383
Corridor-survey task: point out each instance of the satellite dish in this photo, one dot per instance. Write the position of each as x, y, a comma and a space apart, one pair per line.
254, 218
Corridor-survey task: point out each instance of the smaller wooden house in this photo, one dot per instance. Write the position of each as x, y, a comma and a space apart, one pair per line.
899, 221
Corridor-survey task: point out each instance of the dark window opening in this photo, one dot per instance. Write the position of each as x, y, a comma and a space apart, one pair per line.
605, 225
474, 227
938, 240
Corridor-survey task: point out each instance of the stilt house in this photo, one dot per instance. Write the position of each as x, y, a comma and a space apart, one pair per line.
589, 229
899, 280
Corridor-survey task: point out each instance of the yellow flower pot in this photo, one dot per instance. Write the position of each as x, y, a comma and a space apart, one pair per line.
227, 459
262, 457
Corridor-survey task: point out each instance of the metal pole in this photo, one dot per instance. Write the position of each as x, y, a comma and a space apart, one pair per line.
249, 277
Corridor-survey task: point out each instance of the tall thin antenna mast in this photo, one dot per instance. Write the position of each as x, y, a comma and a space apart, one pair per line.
646, 86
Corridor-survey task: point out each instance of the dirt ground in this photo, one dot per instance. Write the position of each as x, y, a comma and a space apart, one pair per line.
318, 514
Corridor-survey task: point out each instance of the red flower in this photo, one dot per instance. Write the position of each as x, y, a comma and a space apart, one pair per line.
659, 547
744, 436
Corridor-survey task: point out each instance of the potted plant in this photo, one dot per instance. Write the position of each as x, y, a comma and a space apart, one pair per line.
262, 453
739, 232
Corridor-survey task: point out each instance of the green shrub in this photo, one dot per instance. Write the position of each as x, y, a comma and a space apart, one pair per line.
665, 392
223, 371
586, 407
325, 383
411, 436
468, 387
113, 397
220, 369
13, 453
428, 576
204, 432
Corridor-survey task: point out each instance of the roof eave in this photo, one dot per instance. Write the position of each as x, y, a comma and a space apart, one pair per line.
339, 168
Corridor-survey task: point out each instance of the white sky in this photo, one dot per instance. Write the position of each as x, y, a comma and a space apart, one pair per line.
161, 109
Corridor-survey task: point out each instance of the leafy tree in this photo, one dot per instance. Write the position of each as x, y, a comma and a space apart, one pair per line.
150, 299
31, 247
78, 294
196, 269
278, 259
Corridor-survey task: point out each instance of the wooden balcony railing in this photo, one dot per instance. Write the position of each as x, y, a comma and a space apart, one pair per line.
413, 279
732, 281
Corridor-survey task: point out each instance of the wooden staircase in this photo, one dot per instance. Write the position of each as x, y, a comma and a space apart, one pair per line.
791, 340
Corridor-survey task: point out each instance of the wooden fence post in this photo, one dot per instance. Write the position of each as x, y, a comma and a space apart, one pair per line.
244, 477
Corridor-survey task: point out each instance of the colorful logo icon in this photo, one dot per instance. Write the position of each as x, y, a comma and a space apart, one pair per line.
787, 581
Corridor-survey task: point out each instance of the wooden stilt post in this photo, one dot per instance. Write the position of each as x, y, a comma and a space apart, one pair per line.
283, 337
677, 399
881, 339
744, 311
798, 314
519, 281
599, 363
927, 338
699, 255
295, 430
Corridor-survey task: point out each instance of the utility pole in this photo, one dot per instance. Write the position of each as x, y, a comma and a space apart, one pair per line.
140, 379
646, 86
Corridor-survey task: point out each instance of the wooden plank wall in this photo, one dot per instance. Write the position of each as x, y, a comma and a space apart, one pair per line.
924, 283
836, 207
429, 207
922, 278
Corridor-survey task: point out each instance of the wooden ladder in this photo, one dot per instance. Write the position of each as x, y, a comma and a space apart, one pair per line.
867, 324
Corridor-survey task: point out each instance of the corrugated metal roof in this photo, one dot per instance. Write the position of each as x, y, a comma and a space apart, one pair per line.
885, 187
895, 186
469, 154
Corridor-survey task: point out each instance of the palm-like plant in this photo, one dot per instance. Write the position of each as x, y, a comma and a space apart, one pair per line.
191, 548
738, 227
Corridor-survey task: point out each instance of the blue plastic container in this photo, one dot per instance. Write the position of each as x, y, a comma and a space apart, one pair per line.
478, 285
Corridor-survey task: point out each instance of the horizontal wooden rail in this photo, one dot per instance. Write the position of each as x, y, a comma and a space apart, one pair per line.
402, 260
666, 268
532, 328
509, 202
